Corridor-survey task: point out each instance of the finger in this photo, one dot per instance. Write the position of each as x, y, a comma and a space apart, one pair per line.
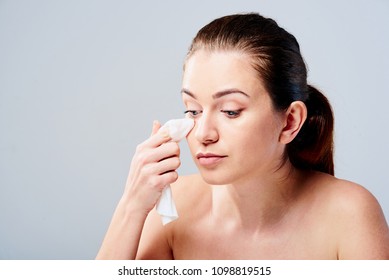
168, 178
168, 149
157, 154
158, 138
156, 127
165, 166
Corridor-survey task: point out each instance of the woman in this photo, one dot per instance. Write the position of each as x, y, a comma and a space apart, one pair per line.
263, 143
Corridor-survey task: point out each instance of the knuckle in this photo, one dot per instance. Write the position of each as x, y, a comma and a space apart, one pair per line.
173, 176
172, 146
176, 148
154, 182
142, 158
177, 162
139, 147
147, 170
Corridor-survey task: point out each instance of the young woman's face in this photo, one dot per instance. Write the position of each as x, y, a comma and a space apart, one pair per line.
236, 132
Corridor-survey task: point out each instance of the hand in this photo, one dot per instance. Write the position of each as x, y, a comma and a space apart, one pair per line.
152, 168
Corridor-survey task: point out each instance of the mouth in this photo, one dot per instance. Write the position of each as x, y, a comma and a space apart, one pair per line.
209, 159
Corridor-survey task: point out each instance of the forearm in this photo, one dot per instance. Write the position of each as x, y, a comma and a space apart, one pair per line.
122, 238
150, 171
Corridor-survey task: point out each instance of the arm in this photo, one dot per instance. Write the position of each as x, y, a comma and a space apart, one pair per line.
155, 243
152, 168
123, 235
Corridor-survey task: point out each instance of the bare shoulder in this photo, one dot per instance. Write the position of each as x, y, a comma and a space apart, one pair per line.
356, 218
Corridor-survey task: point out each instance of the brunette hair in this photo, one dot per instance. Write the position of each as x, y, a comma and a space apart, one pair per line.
276, 57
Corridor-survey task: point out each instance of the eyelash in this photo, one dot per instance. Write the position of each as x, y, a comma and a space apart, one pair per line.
232, 114
192, 113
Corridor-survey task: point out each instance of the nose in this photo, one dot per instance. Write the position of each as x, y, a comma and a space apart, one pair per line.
205, 129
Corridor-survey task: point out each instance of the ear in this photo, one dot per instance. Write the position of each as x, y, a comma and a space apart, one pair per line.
295, 117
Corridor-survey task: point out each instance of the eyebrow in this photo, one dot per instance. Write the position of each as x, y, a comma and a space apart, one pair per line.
218, 94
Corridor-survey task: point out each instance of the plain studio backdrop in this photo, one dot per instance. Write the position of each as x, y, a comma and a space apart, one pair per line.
82, 81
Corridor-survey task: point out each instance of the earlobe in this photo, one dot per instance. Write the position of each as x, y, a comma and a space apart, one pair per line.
295, 117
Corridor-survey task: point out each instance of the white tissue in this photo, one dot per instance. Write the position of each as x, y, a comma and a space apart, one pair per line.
166, 207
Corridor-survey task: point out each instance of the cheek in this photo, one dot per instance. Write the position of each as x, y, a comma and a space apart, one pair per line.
190, 139
261, 138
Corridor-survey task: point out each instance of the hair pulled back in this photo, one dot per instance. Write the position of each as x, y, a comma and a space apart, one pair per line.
276, 57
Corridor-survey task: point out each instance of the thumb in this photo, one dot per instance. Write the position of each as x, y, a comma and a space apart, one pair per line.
156, 127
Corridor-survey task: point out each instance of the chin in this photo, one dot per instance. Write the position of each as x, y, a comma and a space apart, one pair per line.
216, 177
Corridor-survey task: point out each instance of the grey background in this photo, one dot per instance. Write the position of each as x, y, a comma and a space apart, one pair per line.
82, 81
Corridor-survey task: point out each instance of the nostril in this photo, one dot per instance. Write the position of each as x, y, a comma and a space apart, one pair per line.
205, 130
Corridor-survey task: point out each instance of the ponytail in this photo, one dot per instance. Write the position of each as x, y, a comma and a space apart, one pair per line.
313, 147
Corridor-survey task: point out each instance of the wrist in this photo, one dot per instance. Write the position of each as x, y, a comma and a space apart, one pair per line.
131, 210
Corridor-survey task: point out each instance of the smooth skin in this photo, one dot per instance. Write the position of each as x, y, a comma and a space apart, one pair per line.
247, 202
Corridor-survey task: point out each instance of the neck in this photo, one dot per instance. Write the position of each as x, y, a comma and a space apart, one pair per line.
258, 202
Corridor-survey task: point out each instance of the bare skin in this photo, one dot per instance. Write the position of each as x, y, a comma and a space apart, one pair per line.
328, 219
246, 202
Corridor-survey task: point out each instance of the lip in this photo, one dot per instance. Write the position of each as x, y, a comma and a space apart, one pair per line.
208, 159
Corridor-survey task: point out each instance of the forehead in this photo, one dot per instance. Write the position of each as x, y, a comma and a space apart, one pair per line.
216, 70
